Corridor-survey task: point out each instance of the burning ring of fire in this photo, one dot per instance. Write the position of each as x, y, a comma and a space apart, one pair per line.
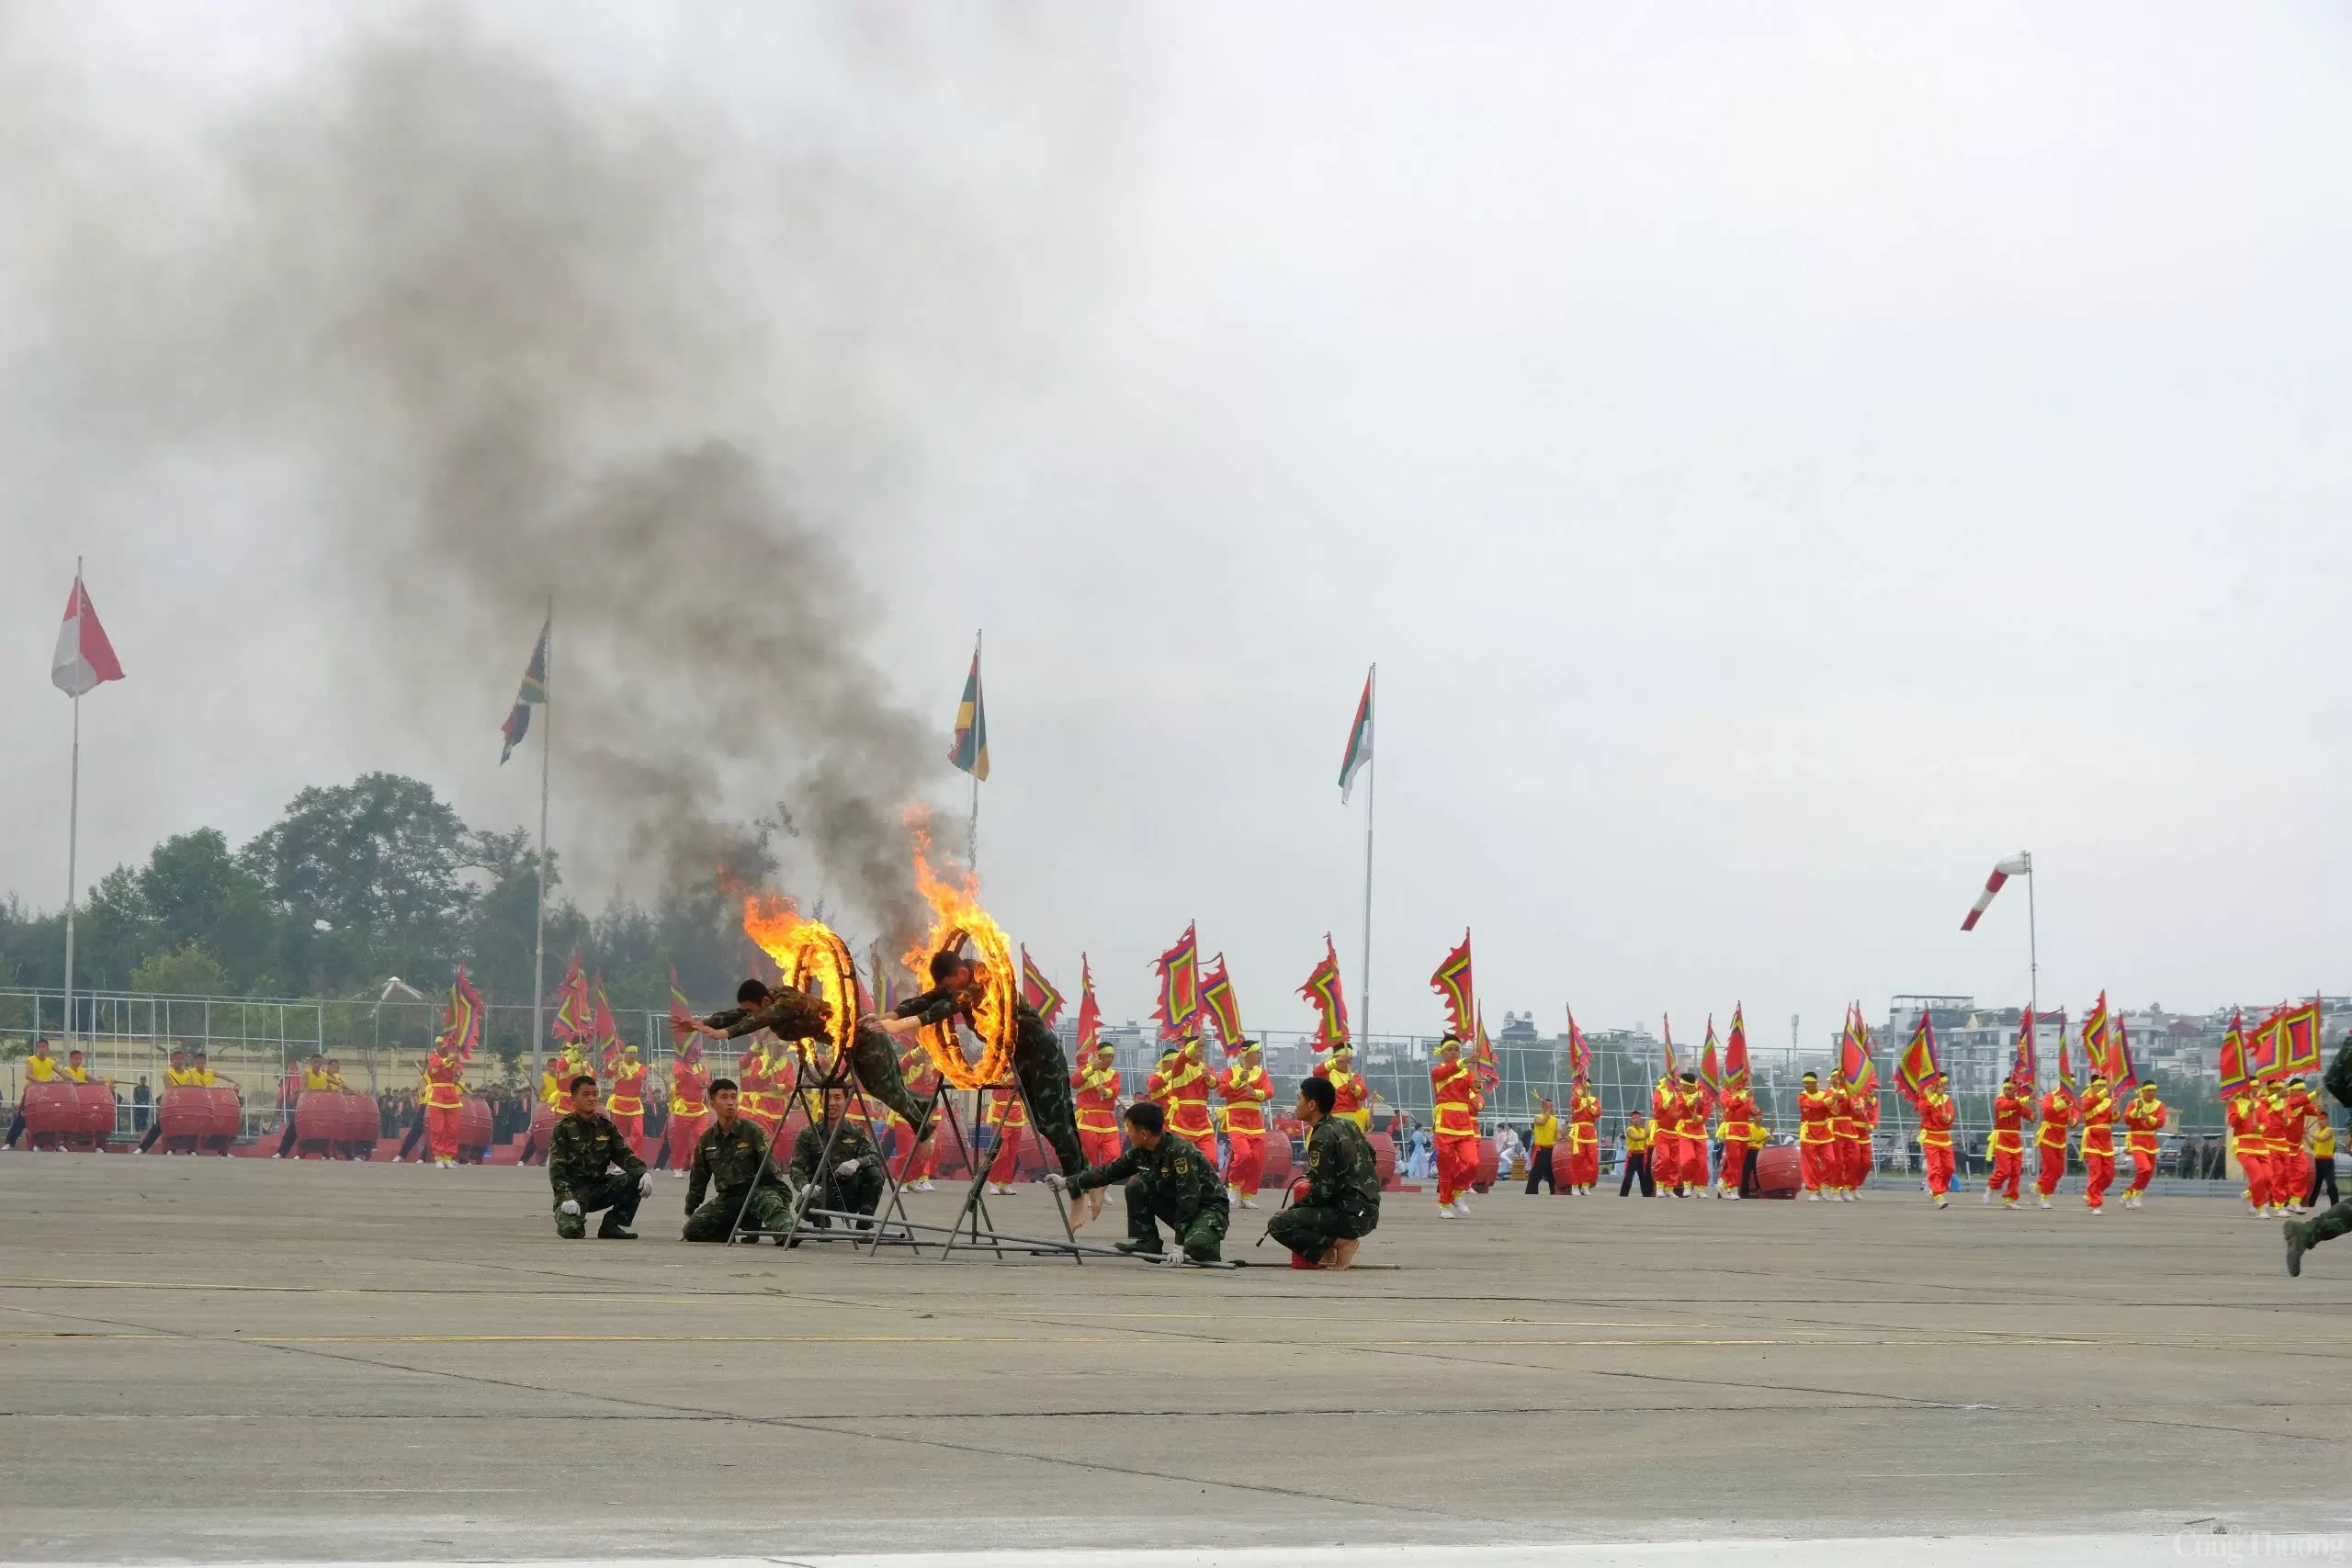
959, 923
812, 958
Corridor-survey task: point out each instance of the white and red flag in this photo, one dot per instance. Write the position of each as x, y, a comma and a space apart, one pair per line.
84, 659
2019, 865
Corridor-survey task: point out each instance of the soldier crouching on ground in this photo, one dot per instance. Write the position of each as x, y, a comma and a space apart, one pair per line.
731, 1156
1341, 1204
851, 1179
581, 1155
1166, 1179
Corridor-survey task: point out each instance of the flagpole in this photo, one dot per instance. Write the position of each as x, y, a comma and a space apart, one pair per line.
547, 752
72, 841
2033, 970
1371, 788
972, 854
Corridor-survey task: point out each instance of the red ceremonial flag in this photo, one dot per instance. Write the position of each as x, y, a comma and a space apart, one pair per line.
2024, 1065
1667, 1025
1711, 1071
84, 659
1220, 1006
1482, 1055
682, 1017
1580, 1051
1037, 993
1090, 1011
1854, 1055
2233, 1064
2263, 1045
1180, 985
1322, 989
2065, 1068
1736, 1051
575, 1014
2096, 1028
1918, 1062
1452, 983
461, 1024
2299, 1029
2124, 1073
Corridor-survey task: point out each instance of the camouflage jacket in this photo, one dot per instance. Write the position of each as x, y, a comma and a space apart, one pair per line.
730, 1159
850, 1140
1175, 1169
1340, 1171
788, 1013
580, 1152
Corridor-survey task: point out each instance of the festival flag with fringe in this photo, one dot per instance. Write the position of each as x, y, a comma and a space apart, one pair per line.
2025, 1064
1736, 1074
1219, 1006
462, 1023
1854, 1052
1178, 969
608, 1034
1711, 1069
1037, 993
1918, 1063
682, 1016
1666, 1026
2262, 1049
2233, 1062
2125, 1075
1090, 1011
1323, 989
1452, 982
1580, 1051
2097, 1031
1482, 1055
2299, 1036
2065, 1068
574, 1016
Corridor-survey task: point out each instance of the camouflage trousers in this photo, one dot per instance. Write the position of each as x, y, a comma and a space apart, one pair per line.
876, 1062
1200, 1232
2327, 1227
1309, 1231
617, 1195
769, 1210
858, 1194
1044, 1072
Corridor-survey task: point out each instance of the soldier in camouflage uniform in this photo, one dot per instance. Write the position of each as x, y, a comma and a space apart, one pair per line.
1038, 1058
582, 1152
732, 1156
1166, 1179
1342, 1200
850, 1178
794, 1015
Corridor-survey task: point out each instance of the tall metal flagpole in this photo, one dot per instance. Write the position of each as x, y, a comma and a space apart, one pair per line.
973, 849
1370, 786
2033, 965
539, 942
73, 839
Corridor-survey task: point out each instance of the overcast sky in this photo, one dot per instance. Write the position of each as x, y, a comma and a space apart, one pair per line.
1782, 459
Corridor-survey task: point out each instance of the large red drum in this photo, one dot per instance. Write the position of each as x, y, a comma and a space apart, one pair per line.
1489, 1165
1383, 1158
206, 1118
1274, 1175
68, 1116
473, 1129
322, 1120
1777, 1172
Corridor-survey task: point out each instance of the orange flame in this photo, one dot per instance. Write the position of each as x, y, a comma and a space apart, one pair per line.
810, 956
959, 923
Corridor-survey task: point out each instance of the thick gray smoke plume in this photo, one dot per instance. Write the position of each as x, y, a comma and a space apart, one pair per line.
511, 336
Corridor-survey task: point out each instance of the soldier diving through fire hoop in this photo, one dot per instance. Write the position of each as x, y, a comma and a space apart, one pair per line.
793, 1014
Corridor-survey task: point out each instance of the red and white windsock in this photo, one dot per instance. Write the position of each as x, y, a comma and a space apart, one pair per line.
2018, 864
84, 659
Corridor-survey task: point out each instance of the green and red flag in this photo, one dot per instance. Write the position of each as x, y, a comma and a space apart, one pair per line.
1736, 1075
682, 1016
1854, 1053
1180, 985
2025, 1064
2125, 1072
1711, 1069
2065, 1068
1090, 1011
534, 692
1038, 992
1580, 1051
2299, 1038
1359, 755
970, 751
1219, 1005
1918, 1063
1452, 983
1482, 1055
575, 1014
1322, 989
2233, 1064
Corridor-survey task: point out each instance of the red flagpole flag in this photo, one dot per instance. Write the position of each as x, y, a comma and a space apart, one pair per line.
1666, 1023
1711, 1071
84, 659
1037, 993
1580, 1051
1180, 983
575, 1014
682, 1024
2299, 1036
1323, 989
1220, 1006
1854, 1055
2026, 1063
1482, 1055
2233, 1064
1736, 1074
1452, 983
2124, 1073
608, 1034
1918, 1062
2096, 1028
2065, 1068
461, 1024
1090, 1011
2262, 1046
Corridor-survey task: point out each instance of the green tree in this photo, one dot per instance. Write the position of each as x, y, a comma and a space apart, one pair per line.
194, 892
186, 971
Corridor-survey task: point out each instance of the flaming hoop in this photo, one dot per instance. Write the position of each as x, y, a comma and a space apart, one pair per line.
958, 924
812, 958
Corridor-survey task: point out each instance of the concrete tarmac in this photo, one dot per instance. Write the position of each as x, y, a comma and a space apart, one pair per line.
237, 1359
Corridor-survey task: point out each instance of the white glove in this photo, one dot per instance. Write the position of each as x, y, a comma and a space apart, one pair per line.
1172, 1259
645, 1184
847, 1168
1056, 1182
571, 1206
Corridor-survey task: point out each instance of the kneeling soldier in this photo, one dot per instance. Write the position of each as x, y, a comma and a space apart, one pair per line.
1166, 1179
732, 1156
1341, 1204
581, 1152
851, 1181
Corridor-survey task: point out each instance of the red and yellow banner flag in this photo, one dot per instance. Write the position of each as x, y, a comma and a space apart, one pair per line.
1452, 982
1918, 1063
2096, 1029
2233, 1062
1711, 1069
2123, 1072
1037, 993
462, 1023
2264, 1046
1854, 1052
607, 1034
1322, 989
2065, 1068
2299, 1038
1736, 1075
1482, 1055
682, 1016
1178, 969
575, 1016
2025, 1064
1665, 1025
1580, 1051
1090, 1011
1219, 1006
